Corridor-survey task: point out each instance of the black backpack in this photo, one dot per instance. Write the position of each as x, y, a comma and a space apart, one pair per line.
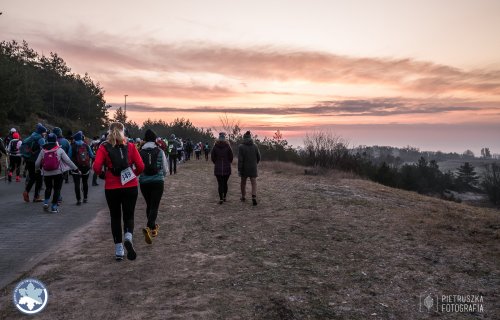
13, 149
150, 158
119, 157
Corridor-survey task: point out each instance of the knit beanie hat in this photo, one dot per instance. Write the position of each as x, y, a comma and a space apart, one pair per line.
78, 136
247, 135
58, 132
15, 135
222, 136
51, 138
150, 136
13, 130
40, 128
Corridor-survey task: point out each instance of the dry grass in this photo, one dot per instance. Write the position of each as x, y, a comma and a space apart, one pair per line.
316, 247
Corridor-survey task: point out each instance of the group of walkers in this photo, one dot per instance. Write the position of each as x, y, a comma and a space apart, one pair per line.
126, 165
248, 158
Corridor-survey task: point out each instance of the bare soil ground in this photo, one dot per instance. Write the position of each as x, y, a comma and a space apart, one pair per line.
316, 247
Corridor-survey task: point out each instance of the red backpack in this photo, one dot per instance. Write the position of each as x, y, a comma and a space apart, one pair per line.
50, 160
82, 155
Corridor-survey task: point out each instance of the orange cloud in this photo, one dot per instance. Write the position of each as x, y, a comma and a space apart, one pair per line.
275, 64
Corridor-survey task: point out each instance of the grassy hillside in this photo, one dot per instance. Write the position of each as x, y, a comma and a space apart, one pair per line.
316, 247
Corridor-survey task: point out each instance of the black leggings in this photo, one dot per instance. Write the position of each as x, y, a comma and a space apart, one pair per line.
118, 200
15, 164
35, 178
222, 182
53, 182
152, 193
172, 160
85, 184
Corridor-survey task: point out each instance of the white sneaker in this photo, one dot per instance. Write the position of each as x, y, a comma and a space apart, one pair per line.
119, 252
131, 255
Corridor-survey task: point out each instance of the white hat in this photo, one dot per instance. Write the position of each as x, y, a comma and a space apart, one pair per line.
13, 130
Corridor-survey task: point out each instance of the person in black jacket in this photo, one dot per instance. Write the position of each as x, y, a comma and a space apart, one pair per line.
222, 157
248, 159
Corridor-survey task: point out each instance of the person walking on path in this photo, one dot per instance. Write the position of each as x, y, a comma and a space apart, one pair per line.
248, 159
173, 145
65, 145
81, 154
206, 149
30, 149
15, 156
151, 182
53, 162
123, 164
222, 157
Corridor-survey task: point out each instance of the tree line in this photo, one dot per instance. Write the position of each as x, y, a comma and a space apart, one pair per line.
38, 88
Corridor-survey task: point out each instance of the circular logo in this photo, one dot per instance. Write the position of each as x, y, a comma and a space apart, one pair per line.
30, 296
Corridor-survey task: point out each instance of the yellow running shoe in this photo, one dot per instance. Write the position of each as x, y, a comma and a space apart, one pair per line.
147, 235
154, 232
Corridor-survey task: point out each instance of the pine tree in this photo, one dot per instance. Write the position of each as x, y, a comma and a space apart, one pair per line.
467, 177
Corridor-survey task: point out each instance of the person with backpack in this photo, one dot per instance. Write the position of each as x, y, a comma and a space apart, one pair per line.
151, 182
248, 159
30, 150
197, 150
15, 156
65, 145
222, 157
161, 144
123, 164
81, 154
173, 146
53, 162
9, 137
206, 148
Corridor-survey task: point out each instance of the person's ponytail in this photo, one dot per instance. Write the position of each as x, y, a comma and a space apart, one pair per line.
116, 134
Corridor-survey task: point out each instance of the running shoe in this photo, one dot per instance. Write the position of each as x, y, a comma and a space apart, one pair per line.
154, 232
131, 254
147, 235
119, 252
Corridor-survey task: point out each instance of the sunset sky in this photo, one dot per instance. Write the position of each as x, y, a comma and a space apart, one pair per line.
424, 73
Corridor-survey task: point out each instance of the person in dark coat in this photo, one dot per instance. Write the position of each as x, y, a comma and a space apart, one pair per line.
222, 157
248, 159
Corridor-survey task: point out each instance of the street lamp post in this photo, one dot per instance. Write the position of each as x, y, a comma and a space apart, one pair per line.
126, 95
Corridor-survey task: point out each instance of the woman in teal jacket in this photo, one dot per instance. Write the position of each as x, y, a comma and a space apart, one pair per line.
151, 182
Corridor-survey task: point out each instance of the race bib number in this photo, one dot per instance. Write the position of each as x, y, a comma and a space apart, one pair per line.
127, 175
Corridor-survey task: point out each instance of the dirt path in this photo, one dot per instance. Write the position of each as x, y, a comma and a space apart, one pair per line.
314, 248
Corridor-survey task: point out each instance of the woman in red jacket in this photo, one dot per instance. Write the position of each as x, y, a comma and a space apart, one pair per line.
123, 164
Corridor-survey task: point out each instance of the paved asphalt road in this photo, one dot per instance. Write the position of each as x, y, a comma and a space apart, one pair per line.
27, 233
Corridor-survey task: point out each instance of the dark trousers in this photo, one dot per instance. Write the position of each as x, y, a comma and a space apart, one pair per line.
53, 183
15, 164
94, 179
198, 154
222, 182
121, 199
152, 193
172, 161
85, 185
35, 178
206, 154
